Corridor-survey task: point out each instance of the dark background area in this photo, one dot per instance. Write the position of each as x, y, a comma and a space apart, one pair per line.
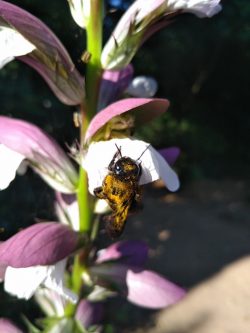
202, 66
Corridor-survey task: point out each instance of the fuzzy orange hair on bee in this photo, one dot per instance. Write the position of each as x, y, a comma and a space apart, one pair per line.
121, 190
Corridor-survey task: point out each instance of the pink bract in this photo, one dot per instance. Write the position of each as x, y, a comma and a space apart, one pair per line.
6, 326
130, 252
40, 244
50, 59
143, 109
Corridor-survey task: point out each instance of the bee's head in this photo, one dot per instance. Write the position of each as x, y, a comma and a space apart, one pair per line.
126, 167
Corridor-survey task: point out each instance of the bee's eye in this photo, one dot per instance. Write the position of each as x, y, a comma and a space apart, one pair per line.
117, 168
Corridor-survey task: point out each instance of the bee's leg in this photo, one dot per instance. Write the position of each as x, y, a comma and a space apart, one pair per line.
136, 204
98, 192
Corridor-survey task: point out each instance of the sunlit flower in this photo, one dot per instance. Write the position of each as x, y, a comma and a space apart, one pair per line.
21, 140
201, 8
25, 37
122, 116
9, 163
80, 11
12, 44
153, 165
36, 256
31, 278
141, 20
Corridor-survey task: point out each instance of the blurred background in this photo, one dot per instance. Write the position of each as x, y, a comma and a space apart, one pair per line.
202, 66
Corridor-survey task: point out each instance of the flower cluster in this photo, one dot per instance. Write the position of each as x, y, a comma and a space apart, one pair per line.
57, 262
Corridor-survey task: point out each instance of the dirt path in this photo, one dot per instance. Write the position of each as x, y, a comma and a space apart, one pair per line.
192, 236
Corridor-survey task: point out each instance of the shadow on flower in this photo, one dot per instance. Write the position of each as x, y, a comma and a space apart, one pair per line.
121, 268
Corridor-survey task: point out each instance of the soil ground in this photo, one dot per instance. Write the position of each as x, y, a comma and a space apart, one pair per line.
200, 239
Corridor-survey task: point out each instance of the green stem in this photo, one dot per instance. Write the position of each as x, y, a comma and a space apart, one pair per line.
85, 213
93, 77
88, 110
94, 47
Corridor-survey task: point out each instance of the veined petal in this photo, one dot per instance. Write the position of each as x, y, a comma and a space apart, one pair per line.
6, 326
142, 109
49, 57
44, 154
9, 163
201, 8
40, 244
12, 44
153, 164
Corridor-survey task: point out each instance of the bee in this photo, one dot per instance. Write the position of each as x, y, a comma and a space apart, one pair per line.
121, 190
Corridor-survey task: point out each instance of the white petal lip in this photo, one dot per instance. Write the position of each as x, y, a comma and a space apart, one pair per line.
201, 8
12, 44
154, 166
23, 282
9, 163
80, 11
55, 281
67, 213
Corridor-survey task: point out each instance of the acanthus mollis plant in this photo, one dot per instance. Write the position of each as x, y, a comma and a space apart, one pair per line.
58, 262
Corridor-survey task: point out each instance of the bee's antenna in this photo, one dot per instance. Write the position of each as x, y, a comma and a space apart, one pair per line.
119, 149
143, 152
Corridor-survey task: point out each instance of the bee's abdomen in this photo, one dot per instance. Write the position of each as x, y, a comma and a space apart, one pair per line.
120, 196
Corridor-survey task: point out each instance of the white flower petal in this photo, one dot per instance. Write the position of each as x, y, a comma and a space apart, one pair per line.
201, 8
67, 210
142, 86
101, 207
23, 282
55, 281
9, 163
80, 11
167, 174
51, 303
12, 44
153, 165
